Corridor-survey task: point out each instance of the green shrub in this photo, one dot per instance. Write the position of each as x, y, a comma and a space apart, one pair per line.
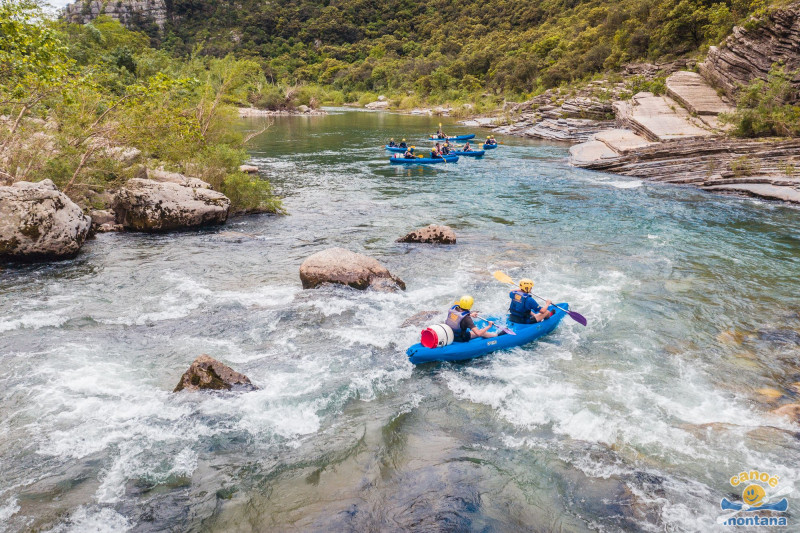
762, 108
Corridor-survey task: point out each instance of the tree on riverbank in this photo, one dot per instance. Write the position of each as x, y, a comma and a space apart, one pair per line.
88, 105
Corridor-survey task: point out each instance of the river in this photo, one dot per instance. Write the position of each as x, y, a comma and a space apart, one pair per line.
634, 423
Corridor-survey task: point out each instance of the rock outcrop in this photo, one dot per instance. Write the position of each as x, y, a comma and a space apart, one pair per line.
37, 221
148, 205
206, 373
751, 50
343, 267
131, 13
432, 234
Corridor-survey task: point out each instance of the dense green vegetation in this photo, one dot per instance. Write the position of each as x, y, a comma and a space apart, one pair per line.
78, 101
443, 50
762, 108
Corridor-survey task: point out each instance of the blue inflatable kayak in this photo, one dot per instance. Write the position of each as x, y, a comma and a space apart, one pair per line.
471, 153
422, 160
460, 351
456, 138
489, 146
396, 149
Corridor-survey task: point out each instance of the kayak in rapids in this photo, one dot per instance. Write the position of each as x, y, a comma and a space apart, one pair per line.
422, 160
440, 337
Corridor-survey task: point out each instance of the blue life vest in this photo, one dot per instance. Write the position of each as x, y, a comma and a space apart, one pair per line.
454, 319
521, 306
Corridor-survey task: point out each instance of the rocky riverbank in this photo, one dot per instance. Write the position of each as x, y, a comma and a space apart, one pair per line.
677, 136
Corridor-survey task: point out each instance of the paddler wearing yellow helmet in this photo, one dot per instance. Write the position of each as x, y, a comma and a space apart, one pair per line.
523, 308
459, 318
403, 144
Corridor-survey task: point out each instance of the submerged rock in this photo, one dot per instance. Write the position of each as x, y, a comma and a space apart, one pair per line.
432, 234
206, 373
791, 411
147, 205
37, 221
343, 267
422, 319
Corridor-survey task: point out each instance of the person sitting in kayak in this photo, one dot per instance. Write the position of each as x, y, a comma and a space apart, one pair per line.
490, 140
459, 318
436, 151
402, 144
524, 309
440, 134
391, 144
409, 154
445, 149
467, 147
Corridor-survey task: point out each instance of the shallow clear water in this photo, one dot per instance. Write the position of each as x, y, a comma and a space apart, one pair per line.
633, 423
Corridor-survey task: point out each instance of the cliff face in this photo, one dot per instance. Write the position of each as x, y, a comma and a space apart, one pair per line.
748, 54
131, 13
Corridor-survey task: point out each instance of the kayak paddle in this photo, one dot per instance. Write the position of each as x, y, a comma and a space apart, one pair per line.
501, 328
577, 317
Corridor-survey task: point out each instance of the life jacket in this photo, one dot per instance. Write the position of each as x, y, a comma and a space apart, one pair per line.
518, 308
392, 143
454, 319
403, 145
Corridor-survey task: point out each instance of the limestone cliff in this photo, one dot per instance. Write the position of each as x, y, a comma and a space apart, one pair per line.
751, 50
132, 13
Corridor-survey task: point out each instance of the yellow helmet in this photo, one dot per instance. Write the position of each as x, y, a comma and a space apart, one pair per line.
404, 140
526, 284
465, 302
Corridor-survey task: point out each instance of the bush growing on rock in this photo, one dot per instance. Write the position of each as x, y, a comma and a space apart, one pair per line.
83, 98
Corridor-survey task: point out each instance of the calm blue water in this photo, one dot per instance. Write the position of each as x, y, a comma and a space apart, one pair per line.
636, 422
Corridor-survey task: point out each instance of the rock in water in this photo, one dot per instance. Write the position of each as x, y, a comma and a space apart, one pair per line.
147, 205
791, 411
206, 373
431, 234
422, 319
337, 265
37, 221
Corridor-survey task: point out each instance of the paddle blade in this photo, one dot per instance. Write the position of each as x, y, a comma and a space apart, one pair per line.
509, 331
499, 276
577, 317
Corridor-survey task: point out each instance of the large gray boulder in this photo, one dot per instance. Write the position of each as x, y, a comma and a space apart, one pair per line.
147, 205
431, 234
343, 267
37, 221
206, 373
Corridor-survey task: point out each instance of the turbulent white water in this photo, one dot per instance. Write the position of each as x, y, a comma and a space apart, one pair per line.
636, 422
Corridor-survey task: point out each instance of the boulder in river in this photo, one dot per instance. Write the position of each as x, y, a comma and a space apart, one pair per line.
37, 221
206, 373
432, 234
343, 267
791, 411
248, 169
147, 205
422, 319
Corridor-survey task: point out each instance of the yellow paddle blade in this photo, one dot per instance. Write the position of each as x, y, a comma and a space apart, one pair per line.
499, 276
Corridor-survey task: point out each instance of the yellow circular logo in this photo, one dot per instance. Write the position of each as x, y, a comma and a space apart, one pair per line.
753, 495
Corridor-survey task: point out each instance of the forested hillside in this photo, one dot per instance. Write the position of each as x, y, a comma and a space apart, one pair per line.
448, 49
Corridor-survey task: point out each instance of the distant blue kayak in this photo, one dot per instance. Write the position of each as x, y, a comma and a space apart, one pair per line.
456, 138
423, 160
471, 153
460, 351
396, 149
489, 146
